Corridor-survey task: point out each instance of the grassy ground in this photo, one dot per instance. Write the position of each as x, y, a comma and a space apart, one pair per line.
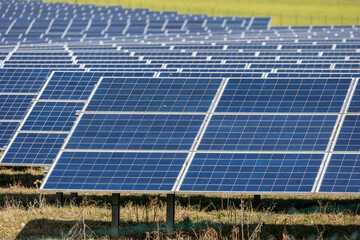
25, 214
284, 12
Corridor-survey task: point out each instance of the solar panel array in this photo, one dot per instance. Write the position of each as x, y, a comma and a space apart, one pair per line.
133, 100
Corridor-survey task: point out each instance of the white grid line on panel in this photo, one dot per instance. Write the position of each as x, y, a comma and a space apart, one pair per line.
200, 134
335, 135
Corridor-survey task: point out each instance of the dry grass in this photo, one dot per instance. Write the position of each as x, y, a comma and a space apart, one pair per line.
26, 214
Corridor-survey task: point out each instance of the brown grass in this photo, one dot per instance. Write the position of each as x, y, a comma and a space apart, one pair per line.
26, 214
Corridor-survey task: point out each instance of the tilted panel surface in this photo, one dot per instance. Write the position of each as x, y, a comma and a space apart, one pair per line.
135, 132
154, 94
342, 174
268, 133
52, 116
34, 148
249, 172
116, 171
284, 95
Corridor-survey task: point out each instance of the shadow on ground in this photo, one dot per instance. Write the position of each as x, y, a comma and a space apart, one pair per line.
41, 228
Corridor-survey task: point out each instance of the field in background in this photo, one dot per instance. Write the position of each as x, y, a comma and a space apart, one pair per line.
26, 214
284, 12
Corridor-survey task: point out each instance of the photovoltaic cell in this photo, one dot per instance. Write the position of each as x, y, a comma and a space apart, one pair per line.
116, 171
14, 107
268, 133
22, 80
34, 148
342, 174
7, 130
349, 136
230, 172
154, 94
77, 85
135, 132
284, 95
52, 116
69, 86
355, 101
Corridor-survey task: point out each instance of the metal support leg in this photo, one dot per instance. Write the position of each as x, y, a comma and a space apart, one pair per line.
257, 201
115, 215
60, 198
74, 197
170, 210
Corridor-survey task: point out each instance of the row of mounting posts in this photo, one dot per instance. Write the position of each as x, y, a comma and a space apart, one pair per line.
115, 210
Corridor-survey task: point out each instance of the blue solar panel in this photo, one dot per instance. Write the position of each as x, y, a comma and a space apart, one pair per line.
116, 171
268, 133
135, 132
230, 172
154, 94
34, 148
342, 174
7, 130
14, 107
52, 116
77, 85
349, 136
284, 95
25, 80
22, 80
355, 101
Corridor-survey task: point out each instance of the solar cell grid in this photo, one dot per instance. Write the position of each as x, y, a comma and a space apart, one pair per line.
52, 116
116, 171
154, 94
349, 136
284, 95
249, 172
342, 174
268, 133
34, 148
14, 107
135, 132
7, 130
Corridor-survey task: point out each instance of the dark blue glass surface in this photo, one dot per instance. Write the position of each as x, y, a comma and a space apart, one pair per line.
349, 136
135, 132
34, 148
76, 85
52, 116
14, 107
284, 95
268, 133
342, 174
116, 171
7, 130
355, 101
229, 172
154, 94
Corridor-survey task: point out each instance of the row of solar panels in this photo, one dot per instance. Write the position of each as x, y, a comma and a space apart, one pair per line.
319, 127
253, 111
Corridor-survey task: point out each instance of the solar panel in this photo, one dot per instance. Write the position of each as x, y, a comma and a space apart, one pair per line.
52, 116
154, 94
342, 174
284, 95
268, 133
116, 171
349, 136
34, 148
251, 172
7, 130
14, 107
135, 132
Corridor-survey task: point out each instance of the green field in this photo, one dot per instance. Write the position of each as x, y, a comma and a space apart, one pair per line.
284, 12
